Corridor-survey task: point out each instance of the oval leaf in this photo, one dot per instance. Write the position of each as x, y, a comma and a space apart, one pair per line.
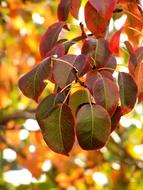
49, 39
95, 23
105, 93
93, 127
128, 91
32, 84
58, 129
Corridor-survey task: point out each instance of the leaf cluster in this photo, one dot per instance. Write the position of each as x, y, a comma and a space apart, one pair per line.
93, 110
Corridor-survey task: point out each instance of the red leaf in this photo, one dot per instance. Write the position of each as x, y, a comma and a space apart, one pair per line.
82, 64
104, 7
103, 57
136, 58
74, 9
106, 94
89, 45
63, 9
66, 65
136, 69
115, 42
128, 92
106, 74
49, 39
58, 50
91, 78
47, 105
32, 84
95, 23
129, 46
93, 127
58, 129
116, 118
93, 75
62, 70
138, 76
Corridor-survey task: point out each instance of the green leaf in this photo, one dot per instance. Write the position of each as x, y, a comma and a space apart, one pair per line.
128, 91
32, 84
47, 105
77, 99
58, 129
106, 94
93, 126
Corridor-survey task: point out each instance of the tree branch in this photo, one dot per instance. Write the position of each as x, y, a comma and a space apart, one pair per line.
16, 115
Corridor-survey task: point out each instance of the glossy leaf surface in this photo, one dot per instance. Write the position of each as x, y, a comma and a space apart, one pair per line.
93, 127
58, 129
32, 84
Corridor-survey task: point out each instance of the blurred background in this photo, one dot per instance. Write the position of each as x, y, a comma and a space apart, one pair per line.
26, 163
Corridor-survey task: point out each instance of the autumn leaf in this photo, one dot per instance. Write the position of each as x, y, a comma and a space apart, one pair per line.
49, 39
128, 92
115, 42
95, 23
116, 118
104, 7
32, 84
93, 127
74, 8
58, 129
47, 105
63, 9
106, 94
62, 72
77, 99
